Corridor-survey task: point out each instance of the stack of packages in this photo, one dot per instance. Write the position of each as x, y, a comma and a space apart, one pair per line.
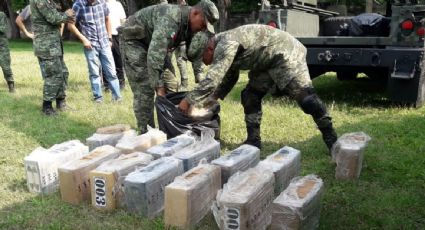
129, 144
109, 135
171, 146
74, 176
106, 180
144, 188
240, 159
298, 207
245, 201
348, 155
188, 199
42, 164
285, 164
205, 148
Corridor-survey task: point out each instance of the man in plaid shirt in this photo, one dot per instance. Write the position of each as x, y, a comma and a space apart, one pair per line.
92, 17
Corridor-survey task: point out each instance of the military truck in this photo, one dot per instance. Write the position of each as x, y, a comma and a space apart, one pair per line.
392, 53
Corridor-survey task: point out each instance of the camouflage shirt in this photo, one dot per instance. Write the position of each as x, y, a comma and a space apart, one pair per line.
46, 26
3, 24
257, 48
164, 28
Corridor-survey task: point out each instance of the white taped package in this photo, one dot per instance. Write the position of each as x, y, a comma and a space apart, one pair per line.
74, 177
129, 144
189, 198
204, 148
144, 188
348, 155
42, 165
245, 201
285, 164
107, 190
298, 207
171, 146
239, 159
109, 136
118, 128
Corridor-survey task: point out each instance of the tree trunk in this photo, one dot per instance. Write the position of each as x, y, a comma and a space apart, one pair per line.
7, 8
223, 8
369, 6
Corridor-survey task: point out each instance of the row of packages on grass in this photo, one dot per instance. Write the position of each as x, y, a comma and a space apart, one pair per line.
148, 175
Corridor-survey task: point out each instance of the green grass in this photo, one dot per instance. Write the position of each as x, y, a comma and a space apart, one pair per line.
390, 193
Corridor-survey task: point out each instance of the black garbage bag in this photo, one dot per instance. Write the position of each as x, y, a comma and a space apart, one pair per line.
173, 122
370, 24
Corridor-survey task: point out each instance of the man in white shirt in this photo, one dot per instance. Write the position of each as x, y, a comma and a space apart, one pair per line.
117, 17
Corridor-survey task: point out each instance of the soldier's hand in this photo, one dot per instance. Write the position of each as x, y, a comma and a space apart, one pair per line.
184, 106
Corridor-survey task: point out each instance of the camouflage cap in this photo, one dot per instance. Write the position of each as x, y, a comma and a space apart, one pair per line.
210, 12
197, 46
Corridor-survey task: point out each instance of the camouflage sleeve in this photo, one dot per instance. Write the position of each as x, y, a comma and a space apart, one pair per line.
3, 23
49, 12
163, 35
227, 84
224, 54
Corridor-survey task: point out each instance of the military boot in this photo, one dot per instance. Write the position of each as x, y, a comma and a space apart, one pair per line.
328, 132
61, 104
48, 109
254, 137
11, 86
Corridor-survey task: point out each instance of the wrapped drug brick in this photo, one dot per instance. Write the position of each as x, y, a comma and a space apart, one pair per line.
118, 128
144, 188
74, 176
171, 146
298, 207
205, 147
42, 165
109, 135
239, 159
348, 154
107, 180
285, 164
188, 199
245, 201
129, 144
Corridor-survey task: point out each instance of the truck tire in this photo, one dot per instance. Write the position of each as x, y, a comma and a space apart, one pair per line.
332, 26
346, 75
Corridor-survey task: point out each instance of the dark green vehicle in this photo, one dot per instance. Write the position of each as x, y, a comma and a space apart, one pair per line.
389, 48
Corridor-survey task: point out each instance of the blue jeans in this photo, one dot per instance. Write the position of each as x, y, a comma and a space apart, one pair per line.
98, 59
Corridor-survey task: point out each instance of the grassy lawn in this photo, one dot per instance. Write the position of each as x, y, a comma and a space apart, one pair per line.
390, 193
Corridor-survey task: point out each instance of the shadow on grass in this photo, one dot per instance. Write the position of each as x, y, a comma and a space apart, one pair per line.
362, 92
23, 114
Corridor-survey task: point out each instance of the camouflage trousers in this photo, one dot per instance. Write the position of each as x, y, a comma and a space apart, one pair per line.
197, 66
5, 59
293, 81
134, 55
55, 75
171, 83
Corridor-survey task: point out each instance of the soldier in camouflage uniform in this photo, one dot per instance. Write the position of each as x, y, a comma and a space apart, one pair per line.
5, 54
49, 51
147, 37
274, 58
